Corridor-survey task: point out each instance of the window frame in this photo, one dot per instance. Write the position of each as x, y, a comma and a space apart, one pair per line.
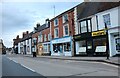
104, 19
45, 39
86, 21
63, 18
55, 22
64, 33
55, 33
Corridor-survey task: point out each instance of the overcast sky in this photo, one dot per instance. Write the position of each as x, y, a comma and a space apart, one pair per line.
18, 17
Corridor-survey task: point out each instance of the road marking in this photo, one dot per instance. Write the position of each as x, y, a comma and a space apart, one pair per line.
12, 60
22, 65
110, 65
27, 67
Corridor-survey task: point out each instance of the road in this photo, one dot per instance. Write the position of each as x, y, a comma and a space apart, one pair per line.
54, 67
10, 68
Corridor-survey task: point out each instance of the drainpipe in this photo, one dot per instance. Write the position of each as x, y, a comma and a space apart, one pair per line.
107, 42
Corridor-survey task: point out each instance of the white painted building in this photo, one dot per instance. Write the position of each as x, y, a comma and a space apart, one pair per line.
113, 28
90, 34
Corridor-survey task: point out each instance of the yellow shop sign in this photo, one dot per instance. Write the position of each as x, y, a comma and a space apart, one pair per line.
98, 33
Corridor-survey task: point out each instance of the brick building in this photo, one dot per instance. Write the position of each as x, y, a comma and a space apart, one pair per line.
62, 30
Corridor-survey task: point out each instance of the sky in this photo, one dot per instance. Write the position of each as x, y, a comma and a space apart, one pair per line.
17, 16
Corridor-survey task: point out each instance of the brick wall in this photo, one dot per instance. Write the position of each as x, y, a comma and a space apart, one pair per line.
60, 25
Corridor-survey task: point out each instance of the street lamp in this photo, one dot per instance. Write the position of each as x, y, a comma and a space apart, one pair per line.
107, 42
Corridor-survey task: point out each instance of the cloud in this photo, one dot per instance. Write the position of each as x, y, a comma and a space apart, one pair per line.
42, 0
18, 17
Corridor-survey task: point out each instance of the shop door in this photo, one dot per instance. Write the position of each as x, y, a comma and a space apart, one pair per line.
89, 48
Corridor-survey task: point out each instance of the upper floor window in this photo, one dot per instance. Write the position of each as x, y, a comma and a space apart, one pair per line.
56, 33
65, 18
56, 22
48, 36
66, 30
40, 38
85, 26
45, 37
106, 19
27, 41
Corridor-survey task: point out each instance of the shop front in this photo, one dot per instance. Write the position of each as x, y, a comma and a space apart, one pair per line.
114, 41
61, 47
90, 44
44, 48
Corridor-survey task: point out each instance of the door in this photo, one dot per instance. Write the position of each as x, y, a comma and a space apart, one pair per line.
89, 48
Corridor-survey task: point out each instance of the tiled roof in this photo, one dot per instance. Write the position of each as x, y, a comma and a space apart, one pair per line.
86, 9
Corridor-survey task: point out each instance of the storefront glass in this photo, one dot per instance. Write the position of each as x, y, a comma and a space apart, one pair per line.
117, 41
56, 48
67, 47
82, 43
45, 47
99, 42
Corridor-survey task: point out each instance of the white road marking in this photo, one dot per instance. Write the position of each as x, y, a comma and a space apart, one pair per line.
27, 67
22, 65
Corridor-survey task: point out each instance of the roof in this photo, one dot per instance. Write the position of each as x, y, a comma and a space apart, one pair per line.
72, 9
86, 9
42, 27
28, 36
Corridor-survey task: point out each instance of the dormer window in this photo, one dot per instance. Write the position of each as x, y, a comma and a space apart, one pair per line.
65, 18
56, 22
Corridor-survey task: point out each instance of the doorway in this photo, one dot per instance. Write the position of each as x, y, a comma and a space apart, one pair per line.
89, 47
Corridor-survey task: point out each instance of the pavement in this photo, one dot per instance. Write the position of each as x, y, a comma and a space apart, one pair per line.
112, 60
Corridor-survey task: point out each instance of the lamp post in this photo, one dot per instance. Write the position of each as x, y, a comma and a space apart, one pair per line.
107, 42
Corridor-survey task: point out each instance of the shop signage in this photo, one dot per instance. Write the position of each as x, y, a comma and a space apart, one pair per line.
61, 40
99, 33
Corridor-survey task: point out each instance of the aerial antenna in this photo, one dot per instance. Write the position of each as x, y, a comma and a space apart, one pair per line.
54, 10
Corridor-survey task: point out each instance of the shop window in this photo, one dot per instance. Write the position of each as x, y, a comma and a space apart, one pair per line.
82, 46
67, 47
106, 19
56, 48
82, 43
28, 49
65, 18
56, 32
45, 47
99, 42
117, 41
66, 30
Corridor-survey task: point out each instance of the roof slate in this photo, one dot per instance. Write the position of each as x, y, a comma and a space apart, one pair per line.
86, 9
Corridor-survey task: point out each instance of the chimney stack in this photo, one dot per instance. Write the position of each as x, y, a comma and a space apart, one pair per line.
17, 37
27, 32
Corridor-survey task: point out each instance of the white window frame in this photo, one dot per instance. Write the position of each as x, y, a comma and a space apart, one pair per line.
55, 33
55, 23
48, 36
107, 18
83, 27
45, 37
63, 18
64, 30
